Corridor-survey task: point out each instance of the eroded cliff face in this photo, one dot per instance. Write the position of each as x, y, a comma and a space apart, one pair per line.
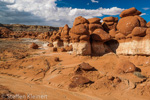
28, 28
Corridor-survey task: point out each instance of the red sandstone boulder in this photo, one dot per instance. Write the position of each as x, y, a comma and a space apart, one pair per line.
34, 46
54, 49
65, 30
79, 80
127, 24
92, 27
80, 20
100, 35
139, 31
94, 20
110, 19
130, 12
85, 66
110, 23
79, 30
56, 59
120, 36
148, 24
112, 33
126, 67
141, 20
85, 37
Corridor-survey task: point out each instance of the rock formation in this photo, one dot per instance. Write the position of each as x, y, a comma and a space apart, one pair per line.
80, 36
128, 36
65, 35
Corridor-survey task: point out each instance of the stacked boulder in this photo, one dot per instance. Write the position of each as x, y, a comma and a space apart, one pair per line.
80, 36
133, 33
55, 39
130, 20
97, 36
110, 23
65, 35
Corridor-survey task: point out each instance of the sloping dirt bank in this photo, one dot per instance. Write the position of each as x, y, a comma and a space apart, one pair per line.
39, 73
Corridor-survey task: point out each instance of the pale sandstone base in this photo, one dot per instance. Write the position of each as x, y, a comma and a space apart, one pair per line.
134, 47
58, 44
65, 44
82, 48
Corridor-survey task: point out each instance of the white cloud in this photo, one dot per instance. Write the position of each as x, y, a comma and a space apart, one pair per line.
8, 1
58, 16
146, 8
88, 3
94, 1
143, 14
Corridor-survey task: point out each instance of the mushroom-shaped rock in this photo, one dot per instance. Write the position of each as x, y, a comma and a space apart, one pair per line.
94, 20
130, 12
139, 31
80, 20
34, 46
100, 35
127, 24
126, 66
65, 30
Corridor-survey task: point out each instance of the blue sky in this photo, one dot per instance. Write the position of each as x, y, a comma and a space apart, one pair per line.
61, 12
141, 5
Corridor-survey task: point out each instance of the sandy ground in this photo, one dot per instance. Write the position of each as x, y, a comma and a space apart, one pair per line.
26, 71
